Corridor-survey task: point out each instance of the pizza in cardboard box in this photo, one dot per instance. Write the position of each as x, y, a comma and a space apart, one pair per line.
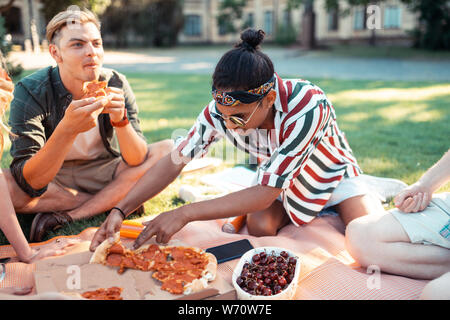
180, 269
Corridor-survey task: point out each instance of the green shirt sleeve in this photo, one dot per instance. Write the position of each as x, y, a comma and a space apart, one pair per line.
26, 122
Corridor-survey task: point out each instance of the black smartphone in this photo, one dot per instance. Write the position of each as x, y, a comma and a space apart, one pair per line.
230, 251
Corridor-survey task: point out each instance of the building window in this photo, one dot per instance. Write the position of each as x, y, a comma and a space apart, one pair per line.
13, 21
223, 29
193, 25
359, 19
392, 17
333, 19
268, 22
250, 21
286, 17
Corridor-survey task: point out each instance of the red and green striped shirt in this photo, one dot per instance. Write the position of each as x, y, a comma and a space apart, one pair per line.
306, 154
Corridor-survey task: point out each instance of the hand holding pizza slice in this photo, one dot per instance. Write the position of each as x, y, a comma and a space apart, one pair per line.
115, 106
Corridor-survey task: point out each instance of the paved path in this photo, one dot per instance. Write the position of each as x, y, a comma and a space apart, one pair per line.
287, 62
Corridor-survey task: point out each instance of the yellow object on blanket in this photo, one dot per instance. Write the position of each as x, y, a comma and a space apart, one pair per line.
131, 229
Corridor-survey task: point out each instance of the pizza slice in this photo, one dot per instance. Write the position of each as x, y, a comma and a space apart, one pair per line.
113, 293
181, 270
96, 89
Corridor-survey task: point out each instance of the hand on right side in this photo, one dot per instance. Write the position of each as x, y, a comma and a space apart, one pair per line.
81, 114
414, 198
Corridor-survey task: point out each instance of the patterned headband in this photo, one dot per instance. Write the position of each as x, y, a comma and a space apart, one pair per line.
233, 98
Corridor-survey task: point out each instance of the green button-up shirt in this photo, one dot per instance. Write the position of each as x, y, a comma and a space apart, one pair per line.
39, 104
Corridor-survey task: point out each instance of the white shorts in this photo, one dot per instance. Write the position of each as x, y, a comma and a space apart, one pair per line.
431, 226
347, 188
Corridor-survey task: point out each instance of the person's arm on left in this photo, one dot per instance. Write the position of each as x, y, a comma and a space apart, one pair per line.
13, 232
132, 147
166, 224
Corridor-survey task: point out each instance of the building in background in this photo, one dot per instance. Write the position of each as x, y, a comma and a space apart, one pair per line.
24, 20
396, 21
201, 23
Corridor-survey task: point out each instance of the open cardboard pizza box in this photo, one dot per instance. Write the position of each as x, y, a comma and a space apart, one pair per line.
72, 273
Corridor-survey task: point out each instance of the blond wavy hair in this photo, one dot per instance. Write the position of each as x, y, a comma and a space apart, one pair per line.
69, 17
3, 107
6, 87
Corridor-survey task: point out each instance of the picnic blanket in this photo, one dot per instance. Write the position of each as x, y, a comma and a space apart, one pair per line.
327, 270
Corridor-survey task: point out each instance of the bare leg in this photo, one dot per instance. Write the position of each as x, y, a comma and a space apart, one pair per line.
267, 222
56, 198
438, 289
381, 240
125, 178
358, 206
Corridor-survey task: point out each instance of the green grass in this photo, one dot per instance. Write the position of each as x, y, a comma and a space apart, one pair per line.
396, 129
385, 51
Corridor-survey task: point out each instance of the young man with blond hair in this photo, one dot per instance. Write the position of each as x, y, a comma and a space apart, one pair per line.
75, 157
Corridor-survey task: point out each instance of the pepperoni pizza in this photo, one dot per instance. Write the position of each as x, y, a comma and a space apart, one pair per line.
181, 270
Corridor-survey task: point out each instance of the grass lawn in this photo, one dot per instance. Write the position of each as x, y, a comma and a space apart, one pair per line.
396, 129
385, 51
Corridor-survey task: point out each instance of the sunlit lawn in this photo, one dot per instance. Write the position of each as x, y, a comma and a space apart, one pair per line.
396, 129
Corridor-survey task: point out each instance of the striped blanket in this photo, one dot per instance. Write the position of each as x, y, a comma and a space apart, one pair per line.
327, 270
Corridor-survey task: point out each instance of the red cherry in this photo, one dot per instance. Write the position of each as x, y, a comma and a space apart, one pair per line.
267, 291
240, 281
252, 285
277, 289
289, 278
282, 281
263, 260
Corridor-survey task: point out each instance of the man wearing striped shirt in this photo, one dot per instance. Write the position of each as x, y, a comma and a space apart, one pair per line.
307, 164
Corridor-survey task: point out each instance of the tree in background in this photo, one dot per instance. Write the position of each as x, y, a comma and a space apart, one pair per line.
434, 21
5, 47
144, 22
433, 32
434, 24
51, 7
155, 22
230, 12
286, 33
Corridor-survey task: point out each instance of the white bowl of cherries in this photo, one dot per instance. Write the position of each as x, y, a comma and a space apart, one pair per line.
266, 273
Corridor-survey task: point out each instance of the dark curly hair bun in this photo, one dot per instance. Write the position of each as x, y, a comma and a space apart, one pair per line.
251, 38
245, 66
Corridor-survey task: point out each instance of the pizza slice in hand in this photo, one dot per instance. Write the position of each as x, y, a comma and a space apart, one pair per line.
96, 89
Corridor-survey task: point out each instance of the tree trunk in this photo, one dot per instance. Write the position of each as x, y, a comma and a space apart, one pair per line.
308, 26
